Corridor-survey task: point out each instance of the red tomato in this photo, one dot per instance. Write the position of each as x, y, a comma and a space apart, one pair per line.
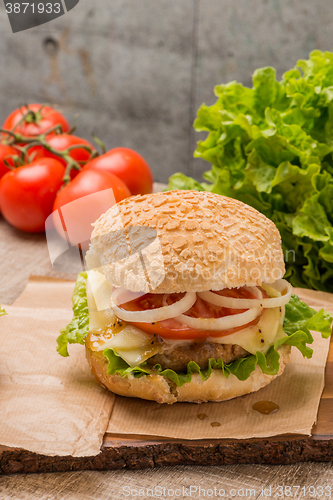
6, 152
76, 218
27, 193
40, 120
129, 166
173, 329
65, 141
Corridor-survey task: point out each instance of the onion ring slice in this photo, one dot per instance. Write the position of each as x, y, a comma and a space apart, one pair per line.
153, 315
233, 303
220, 324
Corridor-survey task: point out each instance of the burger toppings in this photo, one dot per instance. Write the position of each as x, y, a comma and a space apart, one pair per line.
133, 345
150, 315
258, 336
178, 357
133, 352
229, 298
221, 324
136, 340
201, 319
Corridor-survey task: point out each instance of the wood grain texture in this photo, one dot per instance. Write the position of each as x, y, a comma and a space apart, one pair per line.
136, 452
148, 454
96, 485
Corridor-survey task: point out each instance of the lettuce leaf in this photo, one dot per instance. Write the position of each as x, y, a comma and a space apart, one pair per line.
299, 320
271, 146
78, 328
2, 312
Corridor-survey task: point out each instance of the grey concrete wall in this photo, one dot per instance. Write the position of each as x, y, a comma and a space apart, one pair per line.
135, 71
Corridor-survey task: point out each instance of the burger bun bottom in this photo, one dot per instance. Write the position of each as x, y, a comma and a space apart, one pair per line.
162, 390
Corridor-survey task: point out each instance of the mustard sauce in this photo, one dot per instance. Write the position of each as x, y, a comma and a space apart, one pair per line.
97, 338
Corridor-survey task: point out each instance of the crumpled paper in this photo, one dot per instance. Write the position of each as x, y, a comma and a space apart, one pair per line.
297, 393
48, 404
51, 405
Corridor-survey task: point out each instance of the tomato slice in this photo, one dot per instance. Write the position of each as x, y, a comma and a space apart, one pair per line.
173, 329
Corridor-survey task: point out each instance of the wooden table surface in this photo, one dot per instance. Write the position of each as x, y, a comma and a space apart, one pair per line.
21, 255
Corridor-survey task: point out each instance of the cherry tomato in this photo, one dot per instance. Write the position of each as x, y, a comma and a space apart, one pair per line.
65, 141
40, 119
76, 218
6, 153
173, 329
27, 193
129, 166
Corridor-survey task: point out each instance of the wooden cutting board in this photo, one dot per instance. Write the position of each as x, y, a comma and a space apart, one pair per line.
136, 453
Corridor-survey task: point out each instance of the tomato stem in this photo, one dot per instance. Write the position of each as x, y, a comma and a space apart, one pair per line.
9, 132
99, 142
41, 140
16, 160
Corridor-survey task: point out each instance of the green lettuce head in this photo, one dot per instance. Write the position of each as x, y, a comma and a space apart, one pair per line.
271, 146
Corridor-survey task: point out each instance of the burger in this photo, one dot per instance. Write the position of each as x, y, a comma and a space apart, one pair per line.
184, 300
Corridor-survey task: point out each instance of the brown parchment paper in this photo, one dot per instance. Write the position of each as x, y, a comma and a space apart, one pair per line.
48, 404
297, 393
51, 405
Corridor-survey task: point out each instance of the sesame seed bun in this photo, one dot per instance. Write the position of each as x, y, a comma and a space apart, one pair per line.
181, 241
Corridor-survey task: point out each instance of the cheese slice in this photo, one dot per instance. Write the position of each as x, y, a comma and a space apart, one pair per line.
131, 343
98, 297
101, 290
271, 291
138, 356
257, 337
107, 331
127, 339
